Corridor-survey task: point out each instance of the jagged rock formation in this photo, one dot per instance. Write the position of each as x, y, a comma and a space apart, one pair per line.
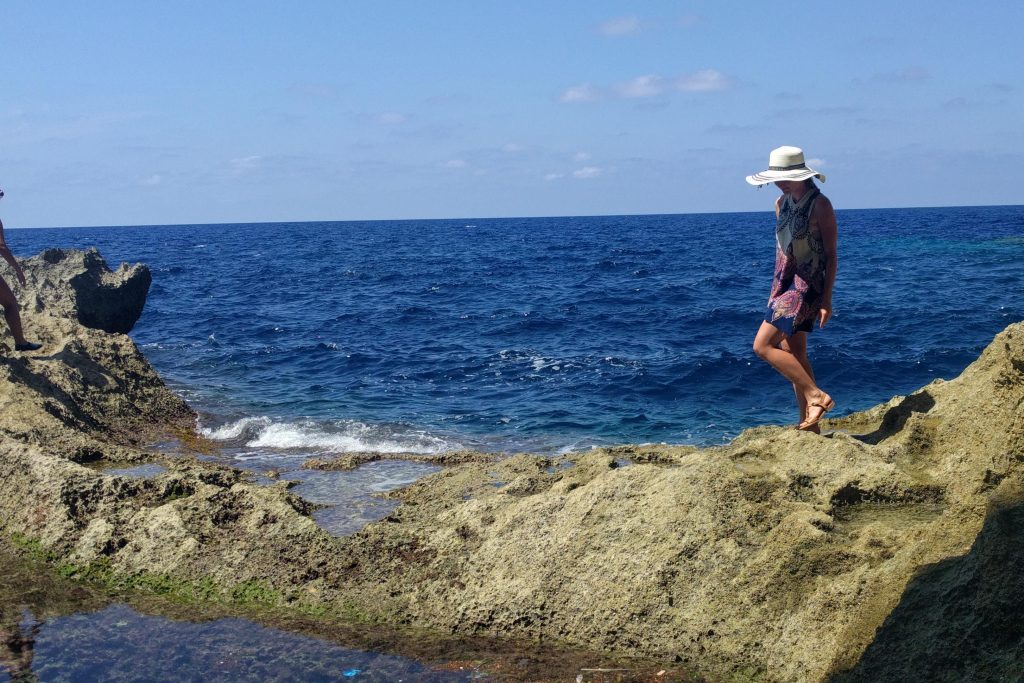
87, 390
890, 545
79, 285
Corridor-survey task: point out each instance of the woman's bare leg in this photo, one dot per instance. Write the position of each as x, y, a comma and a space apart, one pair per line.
11, 312
766, 346
797, 345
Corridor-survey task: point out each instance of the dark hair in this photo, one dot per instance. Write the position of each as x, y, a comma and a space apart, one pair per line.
809, 183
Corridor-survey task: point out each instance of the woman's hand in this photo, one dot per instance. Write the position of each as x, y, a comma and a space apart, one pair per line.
824, 313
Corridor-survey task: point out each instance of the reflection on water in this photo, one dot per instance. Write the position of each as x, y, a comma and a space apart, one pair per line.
119, 644
350, 492
52, 629
147, 471
55, 629
17, 647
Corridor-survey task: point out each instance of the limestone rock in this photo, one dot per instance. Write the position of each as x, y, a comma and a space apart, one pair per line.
88, 392
776, 557
79, 285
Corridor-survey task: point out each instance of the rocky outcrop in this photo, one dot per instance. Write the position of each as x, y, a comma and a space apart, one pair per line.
89, 395
959, 619
78, 285
89, 391
891, 544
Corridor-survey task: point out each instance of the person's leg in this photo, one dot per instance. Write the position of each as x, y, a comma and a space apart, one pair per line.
766, 346
11, 312
797, 345
801, 402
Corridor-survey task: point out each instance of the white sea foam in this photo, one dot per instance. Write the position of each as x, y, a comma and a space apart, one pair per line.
536, 361
343, 436
235, 430
574, 447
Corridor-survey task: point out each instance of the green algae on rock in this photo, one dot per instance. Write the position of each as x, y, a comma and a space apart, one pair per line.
766, 558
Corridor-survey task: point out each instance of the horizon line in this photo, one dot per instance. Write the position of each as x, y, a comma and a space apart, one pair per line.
481, 218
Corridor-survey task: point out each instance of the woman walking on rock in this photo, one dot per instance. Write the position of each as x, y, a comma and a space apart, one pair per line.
7, 299
805, 272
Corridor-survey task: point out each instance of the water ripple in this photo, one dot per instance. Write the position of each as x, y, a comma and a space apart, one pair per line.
546, 332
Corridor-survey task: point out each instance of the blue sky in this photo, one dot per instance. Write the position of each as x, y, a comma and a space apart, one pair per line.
121, 113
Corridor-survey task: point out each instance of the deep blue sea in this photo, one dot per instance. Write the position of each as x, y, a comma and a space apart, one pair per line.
542, 334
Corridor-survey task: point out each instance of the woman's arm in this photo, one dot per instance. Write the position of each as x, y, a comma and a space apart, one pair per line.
825, 217
9, 257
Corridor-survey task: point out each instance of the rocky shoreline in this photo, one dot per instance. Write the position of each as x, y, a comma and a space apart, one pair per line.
893, 544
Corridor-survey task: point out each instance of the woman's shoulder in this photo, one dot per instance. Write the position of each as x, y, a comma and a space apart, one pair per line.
822, 203
822, 214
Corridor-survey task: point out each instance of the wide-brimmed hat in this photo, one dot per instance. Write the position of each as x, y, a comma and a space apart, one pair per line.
785, 163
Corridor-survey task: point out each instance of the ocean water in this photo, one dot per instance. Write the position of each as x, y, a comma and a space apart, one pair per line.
118, 643
56, 629
542, 334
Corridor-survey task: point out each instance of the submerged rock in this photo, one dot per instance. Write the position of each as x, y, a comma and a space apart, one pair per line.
350, 461
891, 544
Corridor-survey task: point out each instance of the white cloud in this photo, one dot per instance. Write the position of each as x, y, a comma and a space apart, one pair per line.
152, 180
587, 172
641, 86
456, 163
554, 176
392, 118
650, 85
512, 148
580, 93
246, 163
582, 156
707, 80
815, 163
620, 26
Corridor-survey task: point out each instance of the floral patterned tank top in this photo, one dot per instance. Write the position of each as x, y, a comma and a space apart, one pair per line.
799, 283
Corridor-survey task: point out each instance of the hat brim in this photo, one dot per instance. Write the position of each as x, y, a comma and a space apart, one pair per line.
765, 177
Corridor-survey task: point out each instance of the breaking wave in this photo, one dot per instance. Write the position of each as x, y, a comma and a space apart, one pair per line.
338, 436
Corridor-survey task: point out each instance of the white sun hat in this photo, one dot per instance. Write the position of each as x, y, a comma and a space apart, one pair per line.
785, 163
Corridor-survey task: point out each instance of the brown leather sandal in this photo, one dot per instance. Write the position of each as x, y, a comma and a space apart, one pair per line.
825, 407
